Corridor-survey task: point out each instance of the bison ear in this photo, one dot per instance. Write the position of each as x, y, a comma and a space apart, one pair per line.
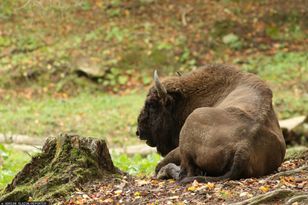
161, 90
173, 98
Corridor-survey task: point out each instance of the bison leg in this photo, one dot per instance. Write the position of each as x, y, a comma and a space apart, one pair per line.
237, 171
172, 157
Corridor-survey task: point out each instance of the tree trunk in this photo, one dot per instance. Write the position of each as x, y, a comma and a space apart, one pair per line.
65, 162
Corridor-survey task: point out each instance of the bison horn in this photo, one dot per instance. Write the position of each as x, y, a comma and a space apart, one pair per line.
161, 90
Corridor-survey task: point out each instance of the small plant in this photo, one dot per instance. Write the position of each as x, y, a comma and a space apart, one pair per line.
7, 8
86, 5
4, 41
116, 33
137, 164
233, 41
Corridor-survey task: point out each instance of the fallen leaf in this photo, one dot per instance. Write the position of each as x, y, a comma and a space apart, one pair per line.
195, 183
192, 188
109, 200
141, 182
137, 193
118, 192
174, 197
264, 188
210, 185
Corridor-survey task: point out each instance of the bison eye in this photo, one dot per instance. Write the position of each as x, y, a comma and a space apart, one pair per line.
151, 105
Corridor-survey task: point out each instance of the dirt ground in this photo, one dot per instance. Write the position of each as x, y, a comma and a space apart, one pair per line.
288, 186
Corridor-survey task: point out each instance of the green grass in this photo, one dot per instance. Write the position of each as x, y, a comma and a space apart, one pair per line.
11, 162
281, 68
137, 164
97, 115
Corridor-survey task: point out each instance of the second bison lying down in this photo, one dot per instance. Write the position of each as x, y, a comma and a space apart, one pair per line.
215, 122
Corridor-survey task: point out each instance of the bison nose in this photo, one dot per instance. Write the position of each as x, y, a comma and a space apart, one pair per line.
137, 133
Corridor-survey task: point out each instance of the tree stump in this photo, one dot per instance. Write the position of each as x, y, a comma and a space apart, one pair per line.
65, 162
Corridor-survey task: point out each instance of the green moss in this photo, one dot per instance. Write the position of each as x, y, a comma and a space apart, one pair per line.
21, 193
75, 153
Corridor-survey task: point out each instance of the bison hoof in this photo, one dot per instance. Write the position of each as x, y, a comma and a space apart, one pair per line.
170, 171
157, 168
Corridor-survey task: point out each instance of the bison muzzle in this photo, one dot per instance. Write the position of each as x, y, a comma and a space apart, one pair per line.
215, 122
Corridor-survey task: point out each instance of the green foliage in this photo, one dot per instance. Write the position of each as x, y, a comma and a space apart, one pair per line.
86, 5
280, 68
223, 27
7, 8
116, 33
4, 41
273, 32
137, 164
232, 40
146, 79
29, 42
11, 162
285, 26
291, 32
115, 78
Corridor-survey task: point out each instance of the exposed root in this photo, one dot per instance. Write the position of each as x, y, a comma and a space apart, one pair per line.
274, 196
298, 198
290, 172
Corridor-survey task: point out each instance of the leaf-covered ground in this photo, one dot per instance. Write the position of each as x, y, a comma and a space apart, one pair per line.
288, 186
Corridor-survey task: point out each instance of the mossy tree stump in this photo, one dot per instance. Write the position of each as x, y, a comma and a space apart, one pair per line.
65, 162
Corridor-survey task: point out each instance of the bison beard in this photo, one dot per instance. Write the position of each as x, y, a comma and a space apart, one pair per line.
215, 122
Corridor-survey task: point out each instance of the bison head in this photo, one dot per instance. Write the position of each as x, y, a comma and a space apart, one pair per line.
157, 121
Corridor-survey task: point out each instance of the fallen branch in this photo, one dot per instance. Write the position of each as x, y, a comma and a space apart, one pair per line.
289, 172
298, 198
183, 16
276, 195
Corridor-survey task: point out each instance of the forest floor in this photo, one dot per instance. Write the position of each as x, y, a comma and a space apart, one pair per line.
288, 186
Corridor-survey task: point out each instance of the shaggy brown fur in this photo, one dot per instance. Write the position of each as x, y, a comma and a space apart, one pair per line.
215, 121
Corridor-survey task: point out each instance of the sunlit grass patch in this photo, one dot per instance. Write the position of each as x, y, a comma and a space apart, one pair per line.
137, 164
11, 162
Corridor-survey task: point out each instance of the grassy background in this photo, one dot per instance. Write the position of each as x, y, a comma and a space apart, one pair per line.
112, 117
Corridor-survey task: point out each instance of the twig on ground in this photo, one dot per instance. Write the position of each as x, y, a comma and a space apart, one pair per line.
183, 16
289, 172
270, 196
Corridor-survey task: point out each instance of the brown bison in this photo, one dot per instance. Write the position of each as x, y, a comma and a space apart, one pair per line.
215, 122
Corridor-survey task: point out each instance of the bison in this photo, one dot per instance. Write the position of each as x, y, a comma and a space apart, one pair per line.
216, 122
